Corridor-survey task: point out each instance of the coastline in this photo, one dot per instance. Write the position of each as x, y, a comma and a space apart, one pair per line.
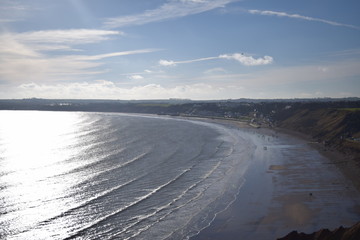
344, 162
285, 194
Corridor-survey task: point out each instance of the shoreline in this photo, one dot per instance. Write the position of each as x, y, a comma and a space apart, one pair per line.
349, 167
277, 199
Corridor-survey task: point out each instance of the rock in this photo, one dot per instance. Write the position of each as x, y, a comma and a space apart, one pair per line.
341, 233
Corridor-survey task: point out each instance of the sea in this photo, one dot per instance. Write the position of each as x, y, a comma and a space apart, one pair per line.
77, 175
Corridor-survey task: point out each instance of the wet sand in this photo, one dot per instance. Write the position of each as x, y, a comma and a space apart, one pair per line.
289, 186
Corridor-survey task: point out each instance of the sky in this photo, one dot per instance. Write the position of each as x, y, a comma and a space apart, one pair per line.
191, 49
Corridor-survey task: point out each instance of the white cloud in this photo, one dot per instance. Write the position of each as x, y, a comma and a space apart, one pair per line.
60, 68
10, 46
40, 69
64, 40
273, 82
10, 5
241, 58
68, 36
284, 14
108, 90
197, 60
167, 63
98, 89
170, 10
136, 77
14, 11
33, 43
22, 61
114, 54
248, 60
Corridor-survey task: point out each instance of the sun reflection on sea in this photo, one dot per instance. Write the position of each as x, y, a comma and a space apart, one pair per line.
33, 146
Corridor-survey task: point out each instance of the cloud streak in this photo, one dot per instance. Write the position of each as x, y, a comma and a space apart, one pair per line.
248, 60
297, 16
136, 77
239, 57
14, 11
70, 36
114, 54
44, 68
36, 42
24, 56
170, 10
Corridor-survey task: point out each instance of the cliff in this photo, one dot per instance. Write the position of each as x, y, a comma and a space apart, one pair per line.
341, 233
337, 128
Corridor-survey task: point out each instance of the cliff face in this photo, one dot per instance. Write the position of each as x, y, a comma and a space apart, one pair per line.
339, 128
341, 233
326, 124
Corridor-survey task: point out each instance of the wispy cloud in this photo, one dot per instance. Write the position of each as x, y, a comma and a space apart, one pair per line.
15, 11
240, 57
167, 63
136, 77
36, 42
172, 63
248, 60
170, 10
59, 68
8, 5
24, 56
70, 36
221, 86
46, 69
298, 16
113, 54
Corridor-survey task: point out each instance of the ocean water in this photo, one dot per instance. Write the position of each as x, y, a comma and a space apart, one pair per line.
74, 175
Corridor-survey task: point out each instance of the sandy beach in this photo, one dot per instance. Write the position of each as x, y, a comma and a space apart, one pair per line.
290, 185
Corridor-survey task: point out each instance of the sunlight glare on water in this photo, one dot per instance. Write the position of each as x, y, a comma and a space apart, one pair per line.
32, 147
77, 175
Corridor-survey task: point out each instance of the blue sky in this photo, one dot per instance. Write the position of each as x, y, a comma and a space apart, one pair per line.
197, 49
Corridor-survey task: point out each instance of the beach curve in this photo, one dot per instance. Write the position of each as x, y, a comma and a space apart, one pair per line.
290, 185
